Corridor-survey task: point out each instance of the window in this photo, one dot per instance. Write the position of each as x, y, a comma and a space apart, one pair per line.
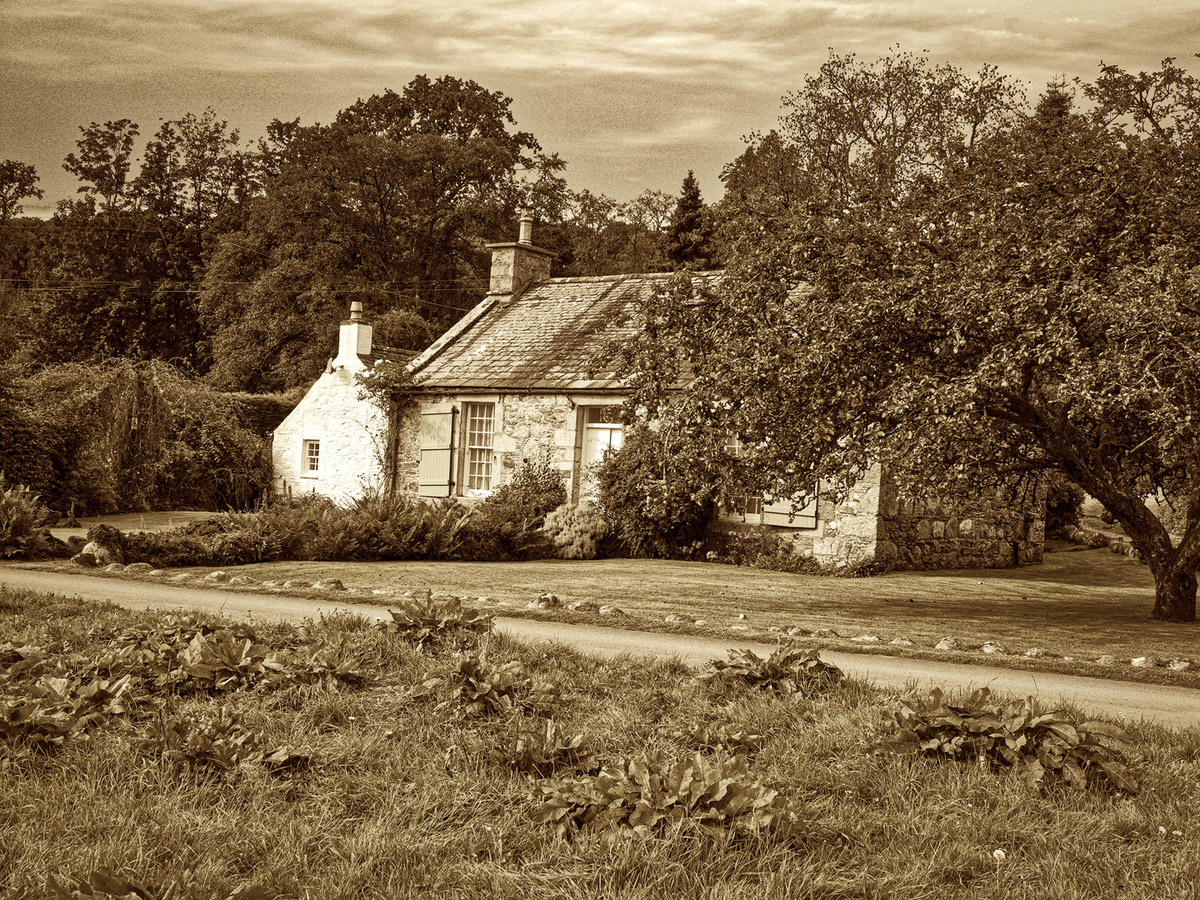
311, 464
602, 432
766, 510
481, 423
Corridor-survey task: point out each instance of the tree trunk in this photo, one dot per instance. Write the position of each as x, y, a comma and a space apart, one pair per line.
1174, 596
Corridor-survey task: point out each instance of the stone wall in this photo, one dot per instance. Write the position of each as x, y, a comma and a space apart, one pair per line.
995, 530
352, 435
528, 427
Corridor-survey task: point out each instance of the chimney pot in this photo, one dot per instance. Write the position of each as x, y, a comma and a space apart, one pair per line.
526, 234
356, 310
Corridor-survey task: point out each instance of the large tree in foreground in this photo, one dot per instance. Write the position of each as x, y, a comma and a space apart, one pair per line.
967, 296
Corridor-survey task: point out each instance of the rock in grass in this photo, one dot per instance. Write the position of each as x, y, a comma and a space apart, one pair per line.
114, 568
139, 568
329, 584
612, 611
1180, 665
292, 584
584, 606
545, 601
994, 647
866, 639
218, 576
677, 619
900, 642
948, 643
1107, 660
1145, 662
243, 579
1035, 652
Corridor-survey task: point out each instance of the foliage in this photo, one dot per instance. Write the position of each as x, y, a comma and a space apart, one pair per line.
221, 743
788, 670
1045, 749
127, 436
658, 491
56, 709
576, 532
507, 523
651, 793
478, 687
759, 548
107, 884
388, 204
18, 181
23, 523
426, 621
967, 294
1064, 504
543, 748
690, 238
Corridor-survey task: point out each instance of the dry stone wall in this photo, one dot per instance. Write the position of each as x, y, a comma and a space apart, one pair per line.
996, 530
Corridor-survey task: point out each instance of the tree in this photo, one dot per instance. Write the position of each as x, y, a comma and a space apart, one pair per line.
104, 161
987, 296
18, 181
690, 240
390, 204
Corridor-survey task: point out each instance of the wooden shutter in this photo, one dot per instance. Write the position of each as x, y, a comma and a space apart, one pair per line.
779, 512
436, 476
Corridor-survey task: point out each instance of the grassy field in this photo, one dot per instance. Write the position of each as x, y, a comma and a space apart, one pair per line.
1080, 603
395, 790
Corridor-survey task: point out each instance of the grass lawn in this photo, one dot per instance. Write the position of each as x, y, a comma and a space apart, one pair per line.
397, 790
1080, 603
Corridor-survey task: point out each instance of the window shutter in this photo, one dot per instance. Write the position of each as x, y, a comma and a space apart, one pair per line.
436, 476
779, 512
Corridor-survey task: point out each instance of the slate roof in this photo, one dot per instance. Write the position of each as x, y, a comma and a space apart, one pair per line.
547, 339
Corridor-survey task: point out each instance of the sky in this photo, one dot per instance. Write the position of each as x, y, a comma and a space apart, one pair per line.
631, 93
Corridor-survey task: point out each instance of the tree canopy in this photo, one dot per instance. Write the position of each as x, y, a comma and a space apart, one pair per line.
966, 291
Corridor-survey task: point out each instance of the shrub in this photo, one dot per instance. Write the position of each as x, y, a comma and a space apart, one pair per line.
1064, 504
1043, 748
651, 793
535, 489
760, 548
576, 532
658, 494
23, 517
788, 670
542, 751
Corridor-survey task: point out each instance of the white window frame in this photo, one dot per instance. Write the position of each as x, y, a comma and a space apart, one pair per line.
479, 446
310, 461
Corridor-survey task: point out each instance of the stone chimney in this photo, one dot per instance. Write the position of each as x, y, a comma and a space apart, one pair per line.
516, 265
354, 337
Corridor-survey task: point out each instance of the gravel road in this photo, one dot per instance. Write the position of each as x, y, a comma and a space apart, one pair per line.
1176, 707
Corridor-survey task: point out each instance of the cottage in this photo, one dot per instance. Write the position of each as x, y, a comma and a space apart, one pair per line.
515, 379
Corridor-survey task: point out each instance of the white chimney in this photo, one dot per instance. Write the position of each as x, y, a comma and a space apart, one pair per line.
354, 338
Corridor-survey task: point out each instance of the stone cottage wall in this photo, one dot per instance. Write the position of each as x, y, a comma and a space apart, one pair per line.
528, 427
352, 433
996, 530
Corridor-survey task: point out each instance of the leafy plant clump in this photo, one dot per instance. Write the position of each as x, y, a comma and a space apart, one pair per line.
477, 687
651, 793
788, 670
1045, 749
221, 744
576, 532
543, 749
425, 620
23, 519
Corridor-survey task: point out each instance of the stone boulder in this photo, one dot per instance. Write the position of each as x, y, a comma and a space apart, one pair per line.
139, 568
94, 554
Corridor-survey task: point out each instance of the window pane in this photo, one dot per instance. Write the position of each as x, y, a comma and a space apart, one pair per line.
481, 419
312, 456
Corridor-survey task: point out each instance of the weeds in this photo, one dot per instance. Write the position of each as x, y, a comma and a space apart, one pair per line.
1045, 749
788, 670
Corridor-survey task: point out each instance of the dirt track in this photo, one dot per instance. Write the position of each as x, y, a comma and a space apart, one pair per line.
1171, 706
